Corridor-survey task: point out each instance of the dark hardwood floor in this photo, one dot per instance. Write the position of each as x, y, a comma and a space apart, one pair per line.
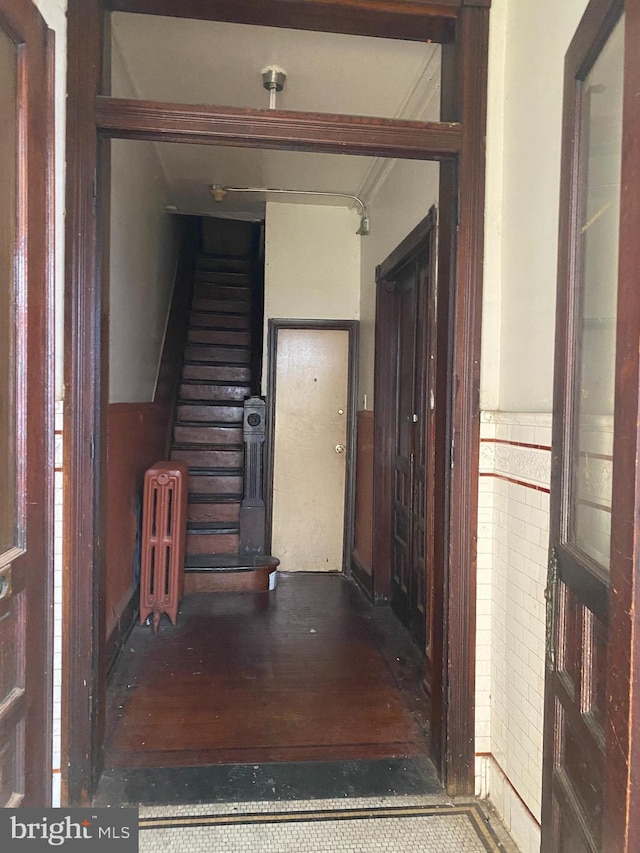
308, 672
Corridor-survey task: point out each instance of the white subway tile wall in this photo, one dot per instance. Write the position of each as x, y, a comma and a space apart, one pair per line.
57, 603
513, 534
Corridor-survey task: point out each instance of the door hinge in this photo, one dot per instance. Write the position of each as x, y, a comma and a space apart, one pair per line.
550, 594
453, 450
92, 448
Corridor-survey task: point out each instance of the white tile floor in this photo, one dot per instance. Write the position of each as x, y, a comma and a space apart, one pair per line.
386, 825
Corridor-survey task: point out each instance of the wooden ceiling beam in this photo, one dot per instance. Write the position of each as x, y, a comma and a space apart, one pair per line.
412, 20
290, 131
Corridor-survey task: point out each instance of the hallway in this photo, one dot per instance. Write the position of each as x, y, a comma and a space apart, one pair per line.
310, 672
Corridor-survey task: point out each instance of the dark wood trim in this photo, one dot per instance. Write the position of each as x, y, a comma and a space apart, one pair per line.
621, 819
248, 128
362, 554
360, 574
101, 447
118, 637
82, 687
411, 20
33, 290
411, 244
353, 328
49, 475
29, 211
460, 646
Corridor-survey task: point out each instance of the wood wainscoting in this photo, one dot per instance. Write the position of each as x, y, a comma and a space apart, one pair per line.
362, 554
137, 434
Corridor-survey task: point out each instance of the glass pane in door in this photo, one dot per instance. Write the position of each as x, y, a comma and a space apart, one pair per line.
8, 279
596, 286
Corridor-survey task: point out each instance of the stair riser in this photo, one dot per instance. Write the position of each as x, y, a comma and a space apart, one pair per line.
213, 512
210, 458
222, 306
206, 435
219, 393
209, 264
217, 373
211, 543
215, 336
241, 277
215, 414
221, 291
202, 352
215, 485
225, 321
197, 582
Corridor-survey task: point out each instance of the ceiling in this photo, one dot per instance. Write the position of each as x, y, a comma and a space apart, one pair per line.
204, 62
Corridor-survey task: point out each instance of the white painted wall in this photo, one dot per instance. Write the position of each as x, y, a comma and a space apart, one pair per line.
400, 202
312, 264
492, 284
529, 42
143, 251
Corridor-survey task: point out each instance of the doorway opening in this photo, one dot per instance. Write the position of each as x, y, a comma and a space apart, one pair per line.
458, 146
332, 271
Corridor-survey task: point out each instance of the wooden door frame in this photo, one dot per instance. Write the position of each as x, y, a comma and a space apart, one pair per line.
275, 325
621, 822
462, 26
34, 265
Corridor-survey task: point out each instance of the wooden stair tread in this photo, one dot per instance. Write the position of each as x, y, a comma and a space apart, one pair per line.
207, 424
221, 314
229, 563
215, 383
206, 498
219, 404
213, 363
182, 445
199, 471
213, 527
221, 346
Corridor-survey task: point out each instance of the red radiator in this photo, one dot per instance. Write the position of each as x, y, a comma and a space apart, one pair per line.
164, 526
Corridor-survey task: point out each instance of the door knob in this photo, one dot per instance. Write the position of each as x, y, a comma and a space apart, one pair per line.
340, 448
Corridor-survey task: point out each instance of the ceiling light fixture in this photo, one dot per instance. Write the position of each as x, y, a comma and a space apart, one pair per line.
273, 79
219, 193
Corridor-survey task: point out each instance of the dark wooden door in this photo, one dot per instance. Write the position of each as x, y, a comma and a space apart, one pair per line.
407, 586
588, 463
25, 407
408, 275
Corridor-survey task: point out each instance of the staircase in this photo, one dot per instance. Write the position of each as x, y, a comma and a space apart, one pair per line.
208, 426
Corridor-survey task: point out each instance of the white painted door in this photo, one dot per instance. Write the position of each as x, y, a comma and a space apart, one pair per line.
309, 469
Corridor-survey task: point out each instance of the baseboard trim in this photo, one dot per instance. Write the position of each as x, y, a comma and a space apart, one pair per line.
495, 785
122, 628
361, 574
